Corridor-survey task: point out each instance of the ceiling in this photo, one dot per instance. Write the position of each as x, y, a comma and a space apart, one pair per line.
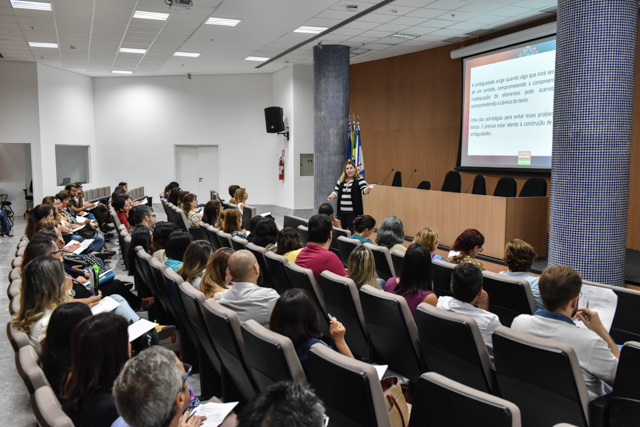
91, 32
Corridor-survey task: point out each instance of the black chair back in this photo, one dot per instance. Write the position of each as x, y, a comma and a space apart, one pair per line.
336, 233
424, 185
238, 243
534, 187
211, 234
397, 179
384, 264
276, 265
452, 182
303, 278
509, 297
224, 239
625, 326
303, 232
506, 187
248, 212
265, 276
479, 185
294, 221
397, 257
345, 247
624, 406
441, 276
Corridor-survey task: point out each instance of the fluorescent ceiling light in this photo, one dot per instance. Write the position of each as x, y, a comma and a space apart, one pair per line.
402, 36
151, 15
310, 30
40, 44
189, 54
256, 58
35, 5
128, 50
121, 72
223, 21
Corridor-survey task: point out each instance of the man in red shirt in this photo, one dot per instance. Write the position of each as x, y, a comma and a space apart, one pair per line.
316, 256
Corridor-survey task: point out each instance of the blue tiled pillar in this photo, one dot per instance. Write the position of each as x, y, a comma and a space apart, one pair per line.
594, 83
331, 112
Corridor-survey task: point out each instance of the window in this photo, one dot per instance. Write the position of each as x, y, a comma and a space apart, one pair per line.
72, 164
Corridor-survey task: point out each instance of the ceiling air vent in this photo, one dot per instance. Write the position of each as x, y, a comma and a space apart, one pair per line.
403, 36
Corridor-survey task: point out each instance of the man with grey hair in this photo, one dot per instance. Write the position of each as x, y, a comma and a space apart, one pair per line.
142, 216
152, 391
246, 298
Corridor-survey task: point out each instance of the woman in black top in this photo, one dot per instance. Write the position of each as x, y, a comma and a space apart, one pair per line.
350, 195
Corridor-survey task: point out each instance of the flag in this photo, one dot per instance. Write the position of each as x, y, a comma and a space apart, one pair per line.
359, 158
354, 143
349, 138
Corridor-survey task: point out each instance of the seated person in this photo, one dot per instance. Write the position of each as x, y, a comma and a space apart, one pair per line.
429, 238
597, 353
142, 238
211, 211
246, 298
240, 198
467, 247
391, 234
519, 256
216, 278
195, 261
252, 227
161, 233
177, 245
288, 243
169, 187
71, 223
233, 223
56, 350
316, 256
327, 209
100, 211
232, 192
363, 228
295, 316
99, 349
266, 234
4, 224
471, 300
414, 283
122, 206
142, 217
152, 390
362, 268
175, 196
220, 224
284, 404
189, 205
118, 191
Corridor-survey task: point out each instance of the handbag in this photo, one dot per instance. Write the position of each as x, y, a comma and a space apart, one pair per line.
396, 404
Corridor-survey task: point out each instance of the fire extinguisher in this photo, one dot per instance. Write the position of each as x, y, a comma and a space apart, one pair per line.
281, 169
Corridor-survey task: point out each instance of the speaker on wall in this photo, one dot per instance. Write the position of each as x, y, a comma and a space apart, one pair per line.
274, 119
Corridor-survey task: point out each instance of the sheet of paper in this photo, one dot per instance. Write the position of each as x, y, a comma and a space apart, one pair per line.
215, 412
265, 214
144, 201
106, 305
83, 221
140, 327
71, 243
82, 214
105, 273
79, 228
83, 246
599, 299
381, 369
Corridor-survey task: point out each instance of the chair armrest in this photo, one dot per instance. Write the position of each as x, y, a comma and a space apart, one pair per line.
599, 411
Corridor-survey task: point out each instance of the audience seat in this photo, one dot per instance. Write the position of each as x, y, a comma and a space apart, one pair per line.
159, 309
125, 247
303, 278
424, 185
397, 179
303, 232
259, 252
349, 389
509, 297
17, 338
452, 182
452, 345
337, 233
196, 232
15, 274
238, 243
441, 276
14, 306
479, 185
294, 221
29, 369
342, 300
384, 264
624, 405
625, 326
346, 246
156, 268
276, 266
272, 357
226, 332
20, 252
14, 289
534, 187
211, 233
248, 212
542, 377
506, 187
47, 409
441, 402
392, 332
224, 239
397, 258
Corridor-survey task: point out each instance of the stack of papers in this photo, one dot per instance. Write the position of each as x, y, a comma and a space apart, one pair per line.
106, 305
599, 299
83, 246
215, 412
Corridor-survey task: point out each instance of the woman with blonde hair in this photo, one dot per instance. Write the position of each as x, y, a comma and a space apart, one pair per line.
233, 224
44, 287
362, 268
429, 237
189, 203
239, 198
220, 223
216, 278
519, 256
349, 190
195, 261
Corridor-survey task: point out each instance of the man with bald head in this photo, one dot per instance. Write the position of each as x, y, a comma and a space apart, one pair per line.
246, 298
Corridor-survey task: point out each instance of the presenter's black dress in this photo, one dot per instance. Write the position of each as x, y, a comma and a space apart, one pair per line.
350, 200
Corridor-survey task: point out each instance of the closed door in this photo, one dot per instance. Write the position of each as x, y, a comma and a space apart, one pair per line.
197, 169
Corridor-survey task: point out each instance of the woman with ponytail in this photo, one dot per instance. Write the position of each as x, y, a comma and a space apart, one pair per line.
467, 247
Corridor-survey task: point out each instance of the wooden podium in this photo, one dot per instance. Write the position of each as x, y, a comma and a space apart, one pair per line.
499, 219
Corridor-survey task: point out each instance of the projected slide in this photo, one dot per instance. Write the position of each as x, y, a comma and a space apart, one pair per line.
508, 107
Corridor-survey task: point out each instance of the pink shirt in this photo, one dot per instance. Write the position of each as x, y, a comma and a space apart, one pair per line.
413, 300
318, 259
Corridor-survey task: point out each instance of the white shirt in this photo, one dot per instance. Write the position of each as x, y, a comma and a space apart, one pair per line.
487, 321
39, 328
596, 360
533, 283
250, 301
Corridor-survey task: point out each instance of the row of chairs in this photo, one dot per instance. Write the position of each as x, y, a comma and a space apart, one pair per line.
97, 193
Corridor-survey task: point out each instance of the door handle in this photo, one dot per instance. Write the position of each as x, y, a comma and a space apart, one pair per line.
199, 179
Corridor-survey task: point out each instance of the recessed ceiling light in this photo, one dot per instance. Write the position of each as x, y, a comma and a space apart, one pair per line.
35, 5
256, 58
223, 21
310, 30
128, 50
151, 15
189, 54
40, 44
121, 72
403, 36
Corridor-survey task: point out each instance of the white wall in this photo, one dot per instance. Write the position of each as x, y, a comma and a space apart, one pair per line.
283, 97
303, 113
15, 174
66, 117
139, 120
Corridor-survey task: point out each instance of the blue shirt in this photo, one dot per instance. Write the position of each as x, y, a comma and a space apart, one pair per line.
533, 284
173, 264
303, 351
362, 239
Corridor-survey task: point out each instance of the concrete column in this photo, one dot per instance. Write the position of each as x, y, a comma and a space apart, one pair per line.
331, 105
593, 104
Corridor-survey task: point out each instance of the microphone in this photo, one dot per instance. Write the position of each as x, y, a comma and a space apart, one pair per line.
385, 180
416, 170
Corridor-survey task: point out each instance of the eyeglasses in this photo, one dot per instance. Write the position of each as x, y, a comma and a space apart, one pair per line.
188, 369
325, 420
481, 249
57, 252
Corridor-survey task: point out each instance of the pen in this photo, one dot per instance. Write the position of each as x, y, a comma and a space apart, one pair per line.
193, 412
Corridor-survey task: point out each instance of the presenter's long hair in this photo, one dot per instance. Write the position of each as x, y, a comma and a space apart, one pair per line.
344, 171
